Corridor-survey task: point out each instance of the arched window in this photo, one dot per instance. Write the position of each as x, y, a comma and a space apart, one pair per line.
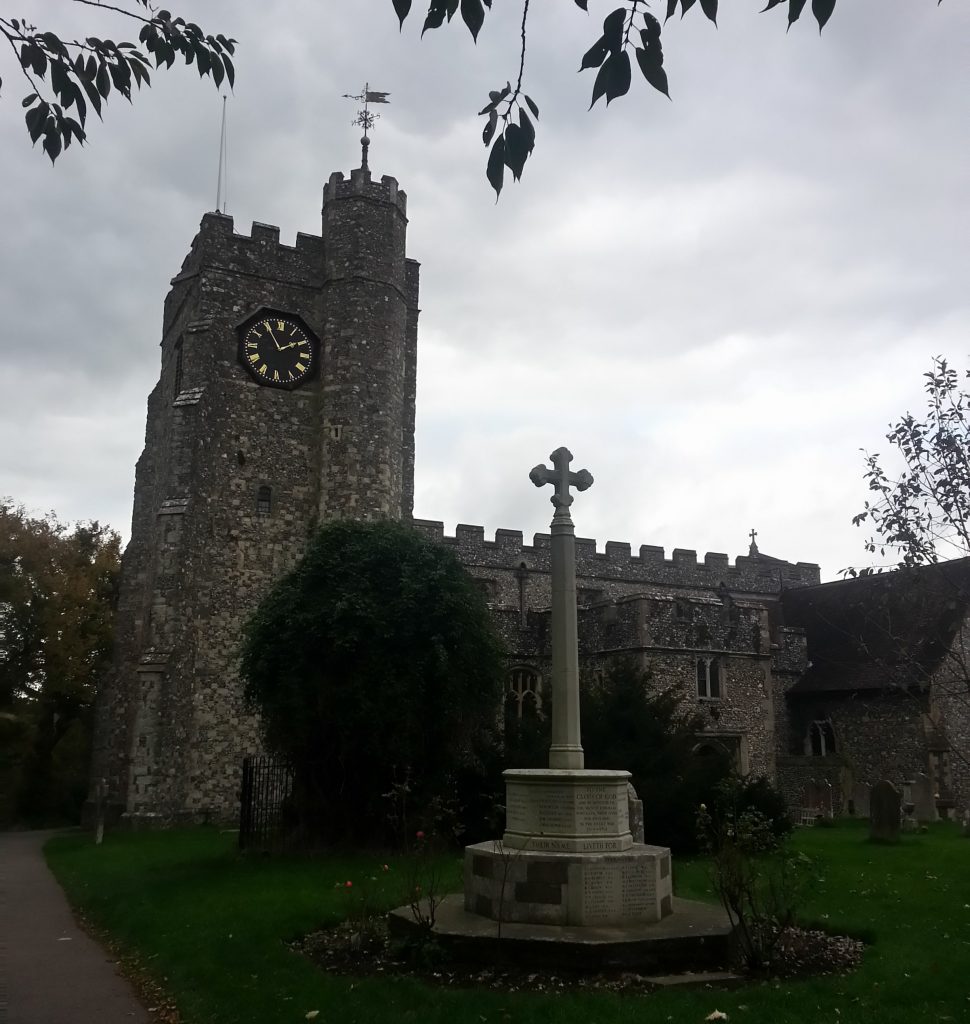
708, 679
177, 388
524, 695
264, 501
821, 738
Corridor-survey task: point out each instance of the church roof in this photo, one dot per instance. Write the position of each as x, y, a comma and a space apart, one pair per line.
887, 630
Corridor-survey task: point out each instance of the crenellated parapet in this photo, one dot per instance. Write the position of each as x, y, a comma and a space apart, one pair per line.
361, 185
218, 246
617, 562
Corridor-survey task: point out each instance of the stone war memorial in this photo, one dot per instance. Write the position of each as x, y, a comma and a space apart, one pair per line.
568, 882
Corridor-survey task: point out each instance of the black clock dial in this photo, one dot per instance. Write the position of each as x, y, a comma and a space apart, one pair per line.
277, 352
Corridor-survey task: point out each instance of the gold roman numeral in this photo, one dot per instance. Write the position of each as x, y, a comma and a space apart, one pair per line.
280, 325
254, 358
289, 375
276, 375
305, 355
262, 369
300, 367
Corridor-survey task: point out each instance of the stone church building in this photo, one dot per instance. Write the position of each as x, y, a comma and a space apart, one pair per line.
286, 398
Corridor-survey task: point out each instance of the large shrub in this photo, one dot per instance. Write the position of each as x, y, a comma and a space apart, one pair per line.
374, 660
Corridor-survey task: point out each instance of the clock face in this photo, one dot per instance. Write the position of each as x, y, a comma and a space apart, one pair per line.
277, 352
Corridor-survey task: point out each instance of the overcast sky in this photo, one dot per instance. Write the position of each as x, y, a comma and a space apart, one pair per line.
713, 302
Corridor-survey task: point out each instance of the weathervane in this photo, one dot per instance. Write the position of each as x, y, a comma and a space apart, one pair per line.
366, 118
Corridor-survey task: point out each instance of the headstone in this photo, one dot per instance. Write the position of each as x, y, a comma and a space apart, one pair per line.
924, 799
884, 812
966, 823
860, 800
635, 811
908, 822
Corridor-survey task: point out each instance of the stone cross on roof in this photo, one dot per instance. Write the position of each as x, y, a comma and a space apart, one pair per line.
561, 477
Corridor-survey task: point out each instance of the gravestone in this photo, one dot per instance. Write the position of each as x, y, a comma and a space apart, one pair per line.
884, 812
860, 800
924, 799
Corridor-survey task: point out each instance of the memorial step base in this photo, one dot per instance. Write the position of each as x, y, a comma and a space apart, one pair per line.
696, 937
568, 889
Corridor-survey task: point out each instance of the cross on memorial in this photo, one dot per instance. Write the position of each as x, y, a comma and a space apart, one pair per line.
561, 477
566, 751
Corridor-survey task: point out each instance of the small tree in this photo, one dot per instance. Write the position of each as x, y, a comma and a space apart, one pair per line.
922, 512
920, 515
375, 657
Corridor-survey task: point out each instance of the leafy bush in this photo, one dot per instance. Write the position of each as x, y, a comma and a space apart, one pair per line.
375, 659
760, 881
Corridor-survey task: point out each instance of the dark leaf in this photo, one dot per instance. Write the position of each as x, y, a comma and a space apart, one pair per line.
35, 118
52, 143
230, 70
29, 99
489, 130
595, 55
613, 29
582, 3
102, 81
685, 6
672, 9
770, 4
516, 150
651, 66
435, 18
613, 78
495, 171
94, 97
473, 15
402, 8
532, 107
218, 72
528, 129
651, 33
795, 8
822, 9
709, 7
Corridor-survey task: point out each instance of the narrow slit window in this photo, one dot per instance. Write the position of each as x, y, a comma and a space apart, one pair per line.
708, 679
178, 368
264, 501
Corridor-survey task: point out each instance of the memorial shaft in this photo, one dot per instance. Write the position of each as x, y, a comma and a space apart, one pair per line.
566, 750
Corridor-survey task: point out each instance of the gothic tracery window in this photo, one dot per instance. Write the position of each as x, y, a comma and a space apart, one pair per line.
524, 692
821, 738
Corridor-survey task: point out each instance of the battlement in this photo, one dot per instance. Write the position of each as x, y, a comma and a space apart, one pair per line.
361, 185
218, 244
618, 562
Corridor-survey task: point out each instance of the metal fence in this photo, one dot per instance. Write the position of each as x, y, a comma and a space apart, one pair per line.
266, 787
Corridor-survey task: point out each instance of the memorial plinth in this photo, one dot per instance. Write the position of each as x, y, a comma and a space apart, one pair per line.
567, 811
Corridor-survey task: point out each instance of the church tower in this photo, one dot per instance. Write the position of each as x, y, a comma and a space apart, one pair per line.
285, 399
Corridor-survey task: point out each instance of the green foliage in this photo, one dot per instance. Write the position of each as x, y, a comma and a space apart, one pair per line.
628, 30
627, 724
375, 657
58, 588
922, 513
761, 882
67, 75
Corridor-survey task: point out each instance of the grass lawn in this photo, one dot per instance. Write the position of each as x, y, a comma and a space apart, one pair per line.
212, 926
